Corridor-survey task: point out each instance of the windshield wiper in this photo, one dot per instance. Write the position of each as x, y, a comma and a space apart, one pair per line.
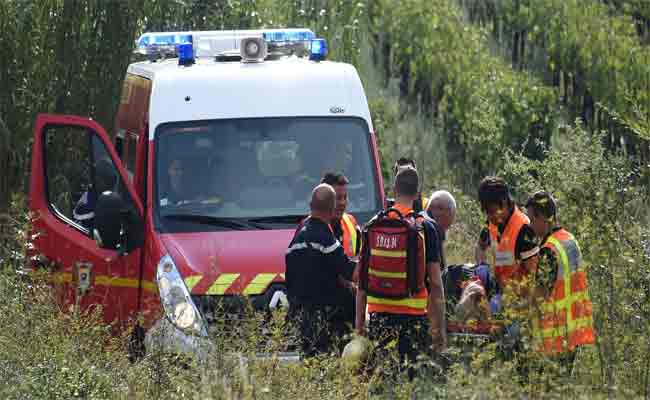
234, 223
279, 219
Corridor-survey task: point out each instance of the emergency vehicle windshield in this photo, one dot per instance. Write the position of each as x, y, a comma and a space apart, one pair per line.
258, 173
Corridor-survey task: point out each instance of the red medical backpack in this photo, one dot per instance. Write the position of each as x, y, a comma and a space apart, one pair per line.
393, 257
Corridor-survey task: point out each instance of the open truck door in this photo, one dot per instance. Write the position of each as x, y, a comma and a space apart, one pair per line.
88, 222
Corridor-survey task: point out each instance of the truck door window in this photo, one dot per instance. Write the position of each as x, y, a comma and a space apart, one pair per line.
68, 171
77, 169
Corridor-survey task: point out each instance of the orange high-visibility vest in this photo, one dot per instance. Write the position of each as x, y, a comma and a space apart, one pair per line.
506, 266
350, 237
564, 320
414, 305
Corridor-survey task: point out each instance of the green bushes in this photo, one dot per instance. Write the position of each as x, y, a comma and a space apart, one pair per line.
596, 59
481, 104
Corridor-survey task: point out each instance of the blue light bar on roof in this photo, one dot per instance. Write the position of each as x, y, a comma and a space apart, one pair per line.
288, 35
164, 39
212, 43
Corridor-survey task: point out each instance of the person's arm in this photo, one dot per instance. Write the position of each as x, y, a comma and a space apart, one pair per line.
360, 314
342, 264
436, 306
436, 295
480, 253
526, 250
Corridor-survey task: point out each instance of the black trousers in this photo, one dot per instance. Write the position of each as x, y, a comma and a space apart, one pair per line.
321, 329
408, 333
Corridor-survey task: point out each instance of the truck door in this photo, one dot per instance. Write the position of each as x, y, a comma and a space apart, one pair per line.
73, 162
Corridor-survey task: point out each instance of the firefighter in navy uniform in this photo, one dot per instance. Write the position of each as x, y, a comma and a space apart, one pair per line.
314, 262
400, 278
346, 231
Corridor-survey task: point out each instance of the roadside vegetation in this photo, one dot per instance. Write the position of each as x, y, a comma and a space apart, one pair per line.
551, 94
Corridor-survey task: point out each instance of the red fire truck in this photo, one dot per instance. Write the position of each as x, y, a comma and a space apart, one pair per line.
193, 202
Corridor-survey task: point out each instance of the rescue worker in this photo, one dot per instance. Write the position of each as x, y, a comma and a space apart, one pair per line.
421, 201
105, 179
562, 317
508, 242
314, 261
344, 225
417, 321
442, 209
345, 229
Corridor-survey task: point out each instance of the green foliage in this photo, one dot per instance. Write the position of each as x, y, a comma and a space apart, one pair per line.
594, 57
481, 104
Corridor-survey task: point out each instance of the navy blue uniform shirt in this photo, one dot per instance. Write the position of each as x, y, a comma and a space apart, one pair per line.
314, 260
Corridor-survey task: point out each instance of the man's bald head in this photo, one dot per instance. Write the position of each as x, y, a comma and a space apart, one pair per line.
323, 200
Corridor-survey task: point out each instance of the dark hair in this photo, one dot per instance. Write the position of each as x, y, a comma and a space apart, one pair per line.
493, 190
543, 204
334, 179
402, 162
407, 182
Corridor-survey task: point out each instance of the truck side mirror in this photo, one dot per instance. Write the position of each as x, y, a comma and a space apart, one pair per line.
116, 226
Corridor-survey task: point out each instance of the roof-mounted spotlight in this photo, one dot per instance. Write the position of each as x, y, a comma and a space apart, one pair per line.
253, 49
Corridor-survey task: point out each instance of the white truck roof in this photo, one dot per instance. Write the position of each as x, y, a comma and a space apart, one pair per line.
286, 87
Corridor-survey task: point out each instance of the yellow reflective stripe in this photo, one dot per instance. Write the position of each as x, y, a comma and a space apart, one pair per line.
222, 283
107, 280
191, 281
385, 274
259, 284
413, 303
149, 286
564, 303
353, 233
564, 259
282, 275
388, 253
575, 324
61, 277
566, 330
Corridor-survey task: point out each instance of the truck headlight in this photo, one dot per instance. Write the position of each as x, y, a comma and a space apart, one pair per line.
175, 298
